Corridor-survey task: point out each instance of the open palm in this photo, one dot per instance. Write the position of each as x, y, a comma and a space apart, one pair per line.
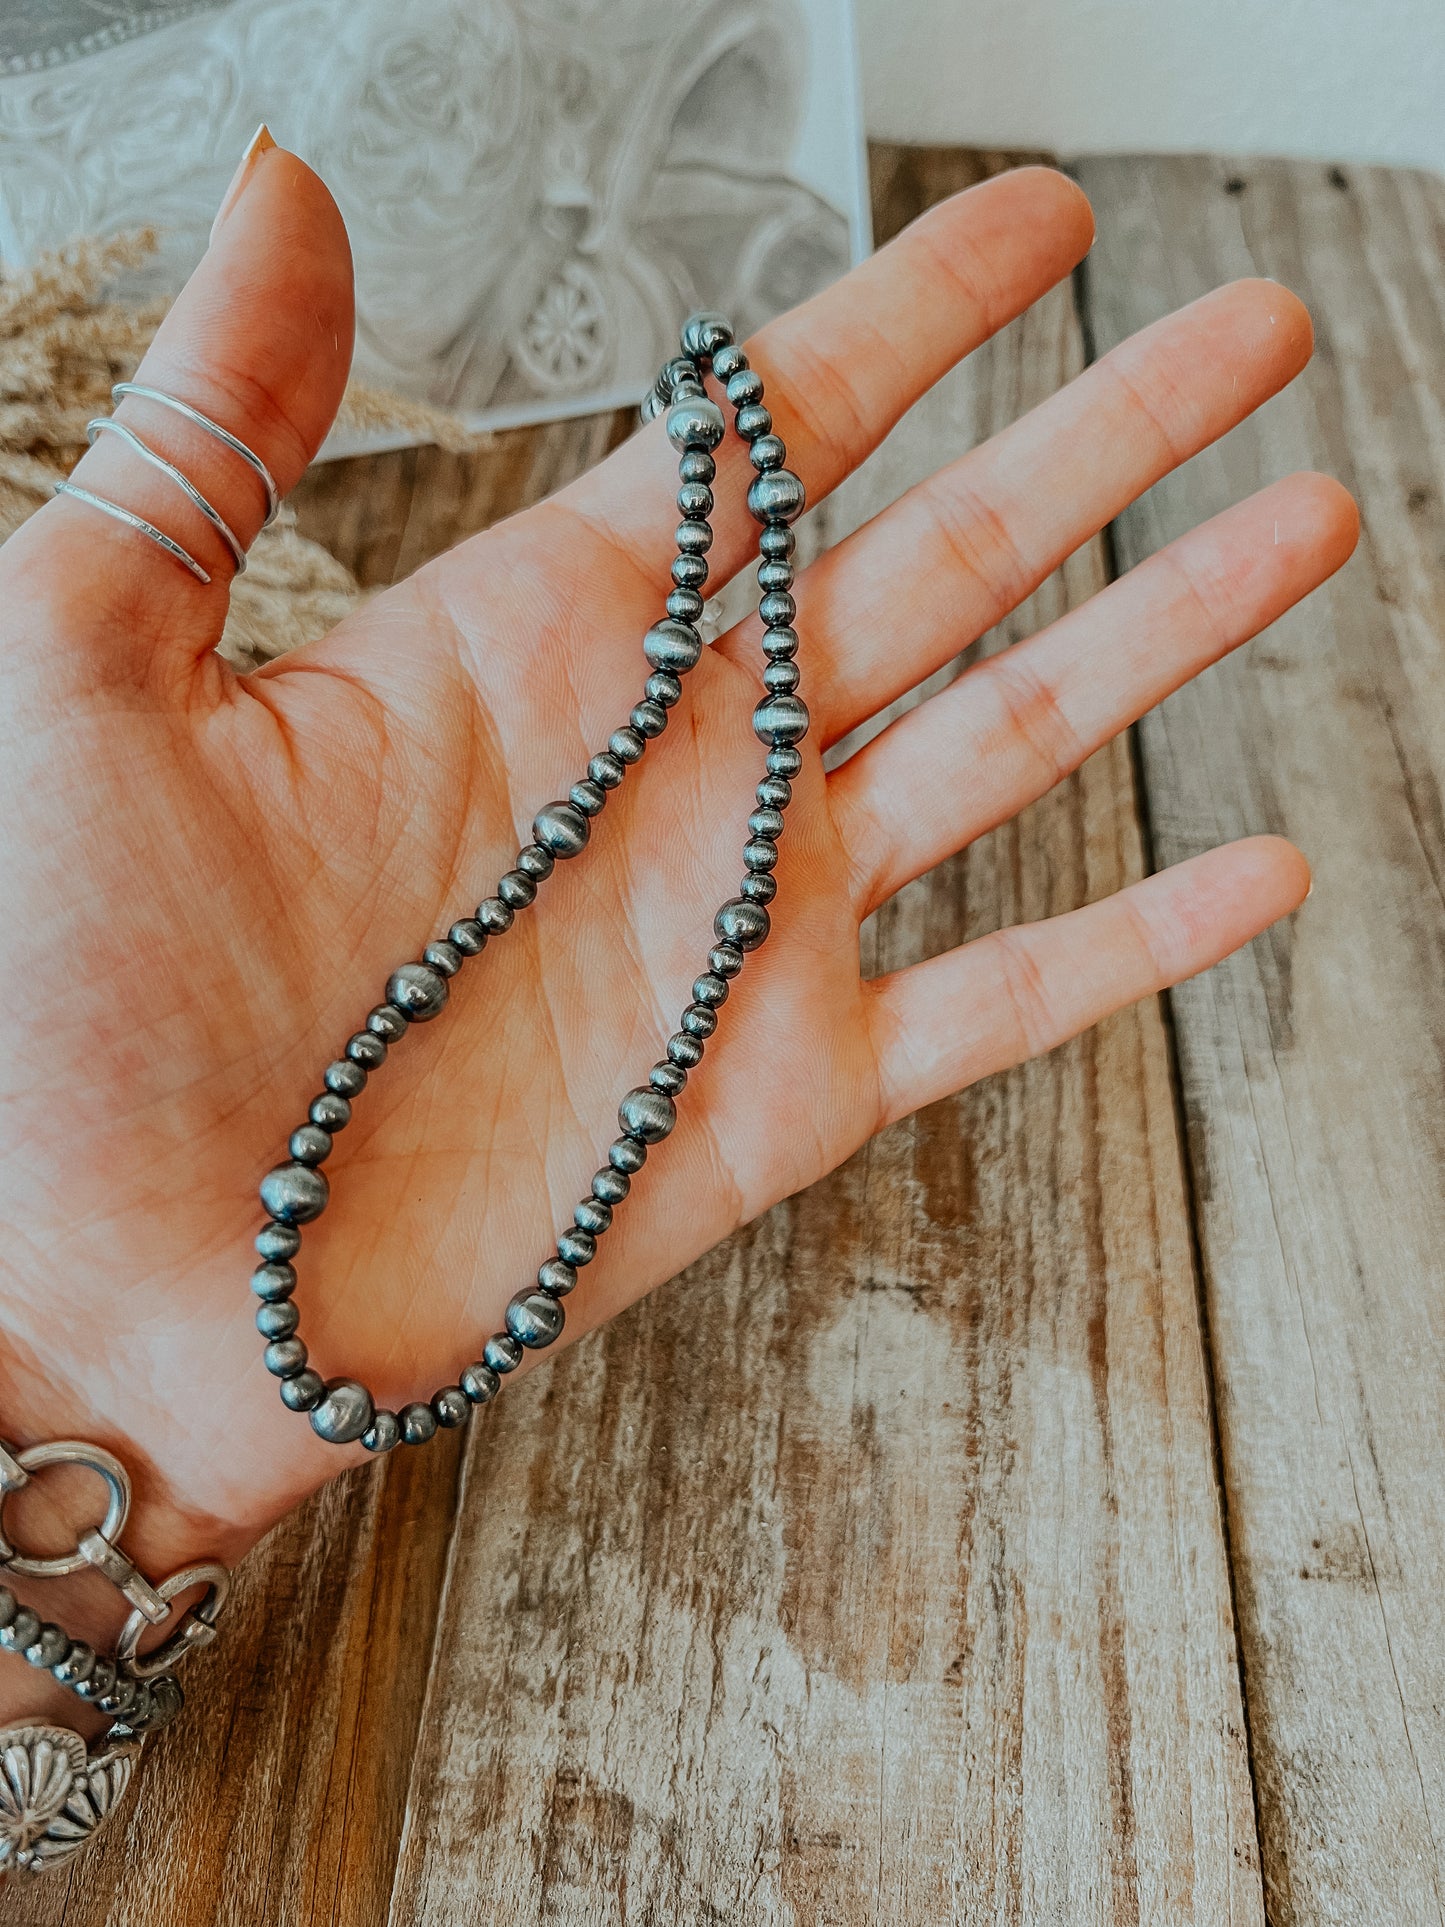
208, 878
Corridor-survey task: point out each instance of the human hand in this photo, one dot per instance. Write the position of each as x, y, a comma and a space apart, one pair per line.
208, 878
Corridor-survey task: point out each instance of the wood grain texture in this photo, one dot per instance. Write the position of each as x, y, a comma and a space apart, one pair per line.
872, 1572
1312, 1061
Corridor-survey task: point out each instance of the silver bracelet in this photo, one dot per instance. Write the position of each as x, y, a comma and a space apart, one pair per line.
56, 1793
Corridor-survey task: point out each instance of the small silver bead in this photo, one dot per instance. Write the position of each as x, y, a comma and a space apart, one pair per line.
697, 466
780, 678
277, 1242
480, 1383
760, 853
502, 1353
367, 1049
345, 1078
758, 886
667, 1078
310, 1144
592, 1215
710, 989
536, 862
699, 1021
781, 719
534, 1319
557, 1277
745, 388
684, 1050
562, 829
273, 1282
49, 1649
774, 793
589, 797
778, 609
517, 890
277, 1319
78, 1664
443, 957
780, 644
295, 1193
468, 936
695, 424
387, 1023
285, 1357
418, 1423
777, 496
22, 1631
627, 1155
663, 688
784, 760
693, 538
649, 719
694, 501
704, 333
574, 1248
606, 770
330, 1112
725, 960
383, 1434
684, 605
689, 571
753, 421
302, 1391
452, 1407
741, 923
767, 452
626, 745
344, 1412
610, 1186
672, 645
775, 575
681, 368
777, 540
767, 823
727, 360
495, 916
647, 1114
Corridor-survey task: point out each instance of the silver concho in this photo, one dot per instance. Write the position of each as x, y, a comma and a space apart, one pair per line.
54, 1796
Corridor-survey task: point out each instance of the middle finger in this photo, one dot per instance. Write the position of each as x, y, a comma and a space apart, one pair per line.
950, 558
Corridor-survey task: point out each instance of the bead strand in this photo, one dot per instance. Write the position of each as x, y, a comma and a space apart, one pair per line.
342, 1410
136, 1704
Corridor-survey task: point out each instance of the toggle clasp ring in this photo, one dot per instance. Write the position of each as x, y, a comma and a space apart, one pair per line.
197, 1626
35, 1458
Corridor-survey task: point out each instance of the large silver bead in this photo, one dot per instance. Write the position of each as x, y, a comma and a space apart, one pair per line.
295, 1193
562, 829
777, 496
696, 424
417, 991
345, 1412
534, 1319
672, 645
647, 1114
781, 719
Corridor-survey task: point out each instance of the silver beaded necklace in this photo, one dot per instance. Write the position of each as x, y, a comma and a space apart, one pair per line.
342, 1410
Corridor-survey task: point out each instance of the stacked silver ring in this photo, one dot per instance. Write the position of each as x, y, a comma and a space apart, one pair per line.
105, 424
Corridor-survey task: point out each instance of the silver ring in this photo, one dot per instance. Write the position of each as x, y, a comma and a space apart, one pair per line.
223, 435
94, 1458
137, 522
197, 1626
103, 424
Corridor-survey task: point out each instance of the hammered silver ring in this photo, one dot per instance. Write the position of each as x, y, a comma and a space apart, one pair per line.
94, 1458
197, 1625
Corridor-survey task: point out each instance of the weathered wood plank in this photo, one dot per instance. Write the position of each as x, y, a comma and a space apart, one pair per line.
874, 1570
1312, 1062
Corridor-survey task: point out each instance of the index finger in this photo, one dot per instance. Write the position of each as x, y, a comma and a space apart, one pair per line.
840, 369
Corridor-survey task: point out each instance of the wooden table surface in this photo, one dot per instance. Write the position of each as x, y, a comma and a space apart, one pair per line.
1041, 1519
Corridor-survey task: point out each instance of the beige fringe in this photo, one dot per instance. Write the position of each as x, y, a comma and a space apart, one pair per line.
62, 347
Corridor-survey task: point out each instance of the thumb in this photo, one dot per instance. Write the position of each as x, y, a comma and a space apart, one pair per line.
259, 340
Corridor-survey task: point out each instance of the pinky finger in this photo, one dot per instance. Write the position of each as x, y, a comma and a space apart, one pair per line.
940, 1025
